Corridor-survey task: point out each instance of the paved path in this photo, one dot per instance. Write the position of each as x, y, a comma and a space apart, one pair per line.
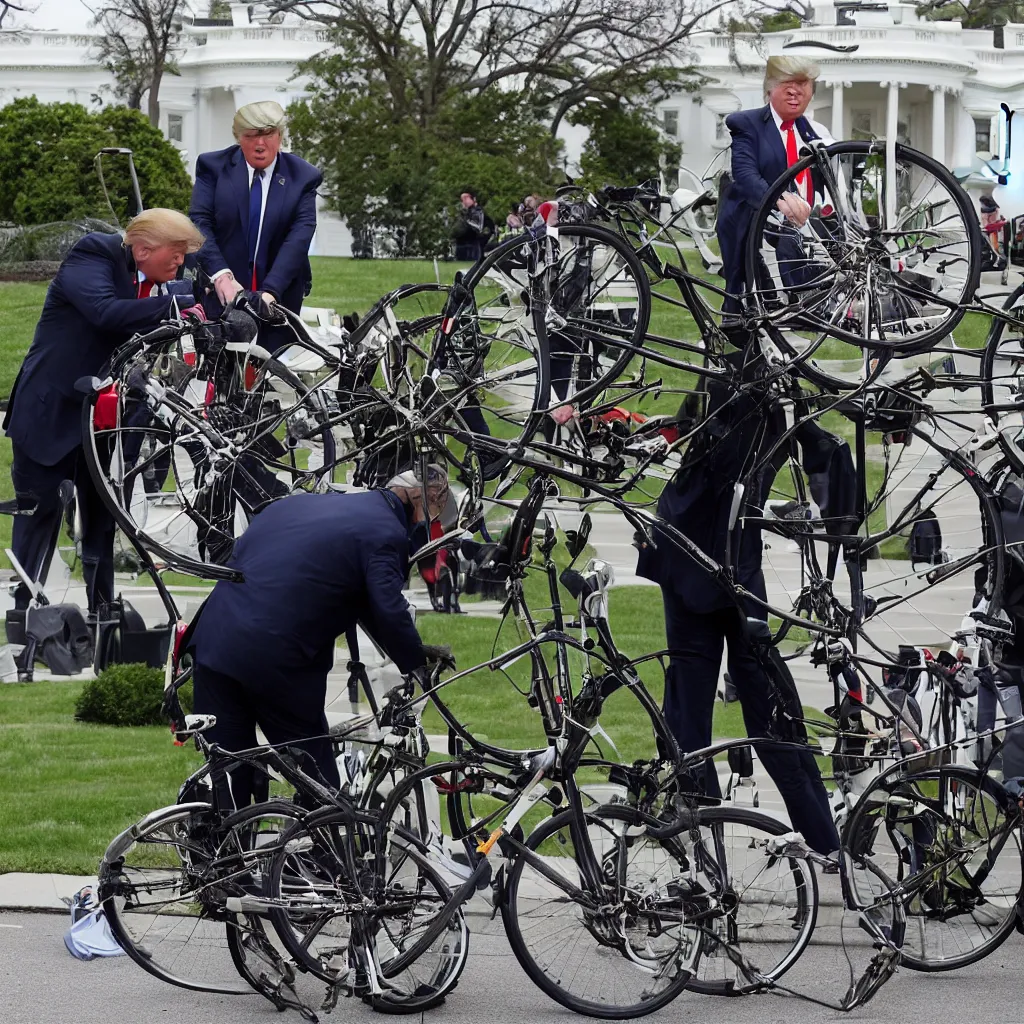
43, 984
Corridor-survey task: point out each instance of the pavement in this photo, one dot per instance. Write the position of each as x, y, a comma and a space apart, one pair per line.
43, 984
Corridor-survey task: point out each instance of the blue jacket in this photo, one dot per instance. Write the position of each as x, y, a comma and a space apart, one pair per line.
314, 565
90, 309
758, 159
220, 209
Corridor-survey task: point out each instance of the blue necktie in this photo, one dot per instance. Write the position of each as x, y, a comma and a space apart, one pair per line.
255, 207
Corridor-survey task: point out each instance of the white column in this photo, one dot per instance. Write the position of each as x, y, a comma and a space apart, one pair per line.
939, 123
892, 109
892, 116
838, 126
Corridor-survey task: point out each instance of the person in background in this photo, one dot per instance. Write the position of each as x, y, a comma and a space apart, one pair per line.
765, 141
474, 229
256, 205
105, 291
514, 219
992, 223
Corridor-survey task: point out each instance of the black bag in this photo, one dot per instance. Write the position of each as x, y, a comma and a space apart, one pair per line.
62, 639
122, 638
925, 542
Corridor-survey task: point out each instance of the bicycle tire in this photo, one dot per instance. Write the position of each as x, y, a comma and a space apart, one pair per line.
510, 263
860, 830
426, 994
805, 886
96, 440
920, 341
553, 985
1010, 445
194, 920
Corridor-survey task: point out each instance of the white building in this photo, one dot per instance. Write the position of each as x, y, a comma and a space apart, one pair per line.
937, 85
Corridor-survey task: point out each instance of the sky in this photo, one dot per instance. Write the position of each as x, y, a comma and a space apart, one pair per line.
67, 15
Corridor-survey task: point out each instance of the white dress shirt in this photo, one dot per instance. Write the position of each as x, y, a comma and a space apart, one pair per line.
816, 126
268, 173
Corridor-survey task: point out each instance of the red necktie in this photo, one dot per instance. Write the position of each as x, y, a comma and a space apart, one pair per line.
145, 289
803, 179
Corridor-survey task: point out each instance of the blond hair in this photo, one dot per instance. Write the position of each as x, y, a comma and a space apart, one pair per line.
262, 116
163, 227
788, 69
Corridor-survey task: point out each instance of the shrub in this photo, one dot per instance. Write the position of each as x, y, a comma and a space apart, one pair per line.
123, 695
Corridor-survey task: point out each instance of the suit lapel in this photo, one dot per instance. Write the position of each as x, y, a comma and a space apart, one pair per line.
240, 188
128, 281
774, 141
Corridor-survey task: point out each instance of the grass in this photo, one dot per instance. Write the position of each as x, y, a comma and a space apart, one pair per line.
493, 704
69, 788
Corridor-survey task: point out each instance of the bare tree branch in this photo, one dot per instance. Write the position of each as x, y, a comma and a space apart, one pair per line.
568, 50
140, 40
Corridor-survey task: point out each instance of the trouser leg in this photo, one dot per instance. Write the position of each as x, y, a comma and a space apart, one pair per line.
296, 716
218, 694
34, 537
696, 643
97, 540
794, 772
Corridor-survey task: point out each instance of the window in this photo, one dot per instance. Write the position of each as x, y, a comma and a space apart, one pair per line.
670, 122
860, 124
174, 122
721, 132
903, 133
983, 135
671, 176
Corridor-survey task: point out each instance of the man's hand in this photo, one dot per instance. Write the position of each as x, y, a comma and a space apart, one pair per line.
440, 654
794, 208
226, 288
268, 298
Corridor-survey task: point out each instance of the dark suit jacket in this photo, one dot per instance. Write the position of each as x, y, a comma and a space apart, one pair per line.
758, 159
90, 309
698, 499
220, 209
314, 566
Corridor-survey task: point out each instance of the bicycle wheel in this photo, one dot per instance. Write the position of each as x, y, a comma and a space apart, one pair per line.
158, 886
254, 835
183, 466
623, 952
884, 264
1002, 381
934, 540
325, 924
765, 906
542, 323
950, 837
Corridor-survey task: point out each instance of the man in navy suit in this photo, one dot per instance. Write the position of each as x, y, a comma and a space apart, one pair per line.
701, 616
766, 141
314, 565
105, 291
257, 208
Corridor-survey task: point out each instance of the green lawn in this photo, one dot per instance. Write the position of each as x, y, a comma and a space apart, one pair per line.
69, 788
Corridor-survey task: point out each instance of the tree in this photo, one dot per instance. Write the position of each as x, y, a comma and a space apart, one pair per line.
564, 52
47, 151
140, 38
403, 174
624, 146
973, 13
6, 8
